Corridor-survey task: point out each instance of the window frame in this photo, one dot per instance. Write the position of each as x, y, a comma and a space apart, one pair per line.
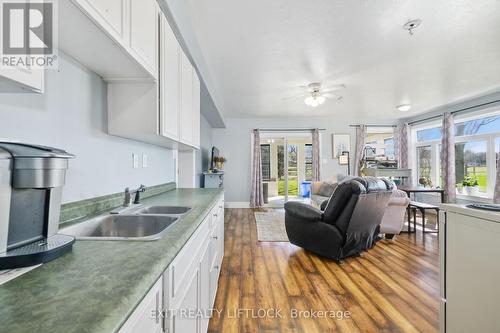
436, 160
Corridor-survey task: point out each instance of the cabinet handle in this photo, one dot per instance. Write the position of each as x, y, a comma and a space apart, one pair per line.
215, 215
216, 267
215, 237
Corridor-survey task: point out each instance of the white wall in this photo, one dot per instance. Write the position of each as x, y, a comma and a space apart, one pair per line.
203, 154
71, 115
234, 143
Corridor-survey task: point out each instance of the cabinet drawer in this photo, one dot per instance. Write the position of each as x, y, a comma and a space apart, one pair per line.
185, 261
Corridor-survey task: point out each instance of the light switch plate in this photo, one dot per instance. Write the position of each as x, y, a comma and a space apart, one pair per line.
144, 160
135, 161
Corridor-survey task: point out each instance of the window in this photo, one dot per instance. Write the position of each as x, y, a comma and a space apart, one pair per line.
429, 134
484, 125
381, 139
470, 161
424, 165
308, 158
389, 147
477, 145
265, 155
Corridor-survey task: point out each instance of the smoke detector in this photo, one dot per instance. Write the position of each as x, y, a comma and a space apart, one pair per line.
412, 25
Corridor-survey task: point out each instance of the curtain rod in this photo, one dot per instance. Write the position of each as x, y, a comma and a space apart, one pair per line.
454, 112
373, 125
289, 129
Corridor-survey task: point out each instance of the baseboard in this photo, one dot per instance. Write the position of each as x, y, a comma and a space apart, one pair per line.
237, 204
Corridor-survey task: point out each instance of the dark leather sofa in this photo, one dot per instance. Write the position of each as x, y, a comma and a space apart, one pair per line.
349, 223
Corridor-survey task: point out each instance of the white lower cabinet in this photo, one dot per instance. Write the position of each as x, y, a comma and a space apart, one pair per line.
469, 250
181, 300
183, 315
147, 316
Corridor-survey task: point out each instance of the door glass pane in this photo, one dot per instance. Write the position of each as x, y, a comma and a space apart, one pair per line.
470, 161
293, 172
424, 165
280, 166
265, 152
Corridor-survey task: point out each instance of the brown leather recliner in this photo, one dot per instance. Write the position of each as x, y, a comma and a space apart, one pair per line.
349, 223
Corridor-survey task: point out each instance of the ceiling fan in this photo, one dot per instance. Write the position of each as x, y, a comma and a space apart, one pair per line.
316, 95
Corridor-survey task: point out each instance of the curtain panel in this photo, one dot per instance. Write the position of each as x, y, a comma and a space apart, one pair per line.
316, 157
360, 145
448, 158
496, 193
257, 194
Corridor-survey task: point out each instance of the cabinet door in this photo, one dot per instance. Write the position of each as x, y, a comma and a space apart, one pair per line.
205, 305
146, 317
144, 31
186, 99
472, 274
110, 13
169, 82
21, 79
182, 322
196, 109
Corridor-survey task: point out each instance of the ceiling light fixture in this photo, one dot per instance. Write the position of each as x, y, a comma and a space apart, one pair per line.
404, 107
412, 25
315, 100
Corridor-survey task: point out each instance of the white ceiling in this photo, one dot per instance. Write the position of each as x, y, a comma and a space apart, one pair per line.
259, 52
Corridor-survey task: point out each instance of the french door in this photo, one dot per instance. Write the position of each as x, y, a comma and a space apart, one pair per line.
285, 165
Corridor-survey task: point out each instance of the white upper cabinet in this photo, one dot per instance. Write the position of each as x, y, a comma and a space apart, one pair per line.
164, 112
117, 39
196, 109
111, 13
21, 80
144, 31
186, 100
169, 82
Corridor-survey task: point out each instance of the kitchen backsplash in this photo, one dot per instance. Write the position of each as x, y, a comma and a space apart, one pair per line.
79, 209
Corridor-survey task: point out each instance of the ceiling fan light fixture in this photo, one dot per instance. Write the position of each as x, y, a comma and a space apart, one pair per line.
315, 101
404, 107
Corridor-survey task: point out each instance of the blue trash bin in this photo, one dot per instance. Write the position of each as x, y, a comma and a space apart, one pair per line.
305, 189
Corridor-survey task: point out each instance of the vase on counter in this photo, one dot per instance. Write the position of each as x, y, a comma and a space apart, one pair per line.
472, 190
219, 165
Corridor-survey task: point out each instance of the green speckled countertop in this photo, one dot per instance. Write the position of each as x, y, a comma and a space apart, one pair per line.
97, 286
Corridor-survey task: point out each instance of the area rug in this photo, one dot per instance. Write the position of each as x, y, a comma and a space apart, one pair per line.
271, 226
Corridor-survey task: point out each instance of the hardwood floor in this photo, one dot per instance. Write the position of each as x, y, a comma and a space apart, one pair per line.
392, 288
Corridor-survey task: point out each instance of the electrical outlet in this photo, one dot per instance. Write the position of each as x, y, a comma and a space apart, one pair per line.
144, 160
135, 161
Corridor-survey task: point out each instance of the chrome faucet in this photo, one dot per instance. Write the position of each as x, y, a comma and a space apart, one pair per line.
137, 192
128, 196
126, 200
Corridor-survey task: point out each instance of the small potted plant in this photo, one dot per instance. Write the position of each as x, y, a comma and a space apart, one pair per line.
460, 188
471, 185
219, 162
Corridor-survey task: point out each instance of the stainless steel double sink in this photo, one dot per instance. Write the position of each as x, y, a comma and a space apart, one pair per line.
139, 223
